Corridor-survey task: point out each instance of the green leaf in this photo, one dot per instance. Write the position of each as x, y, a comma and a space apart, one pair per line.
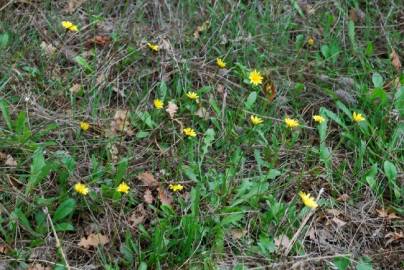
364, 264
272, 174
377, 80
64, 227
83, 63
390, 171
250, 100
231, 218
121, 170
329, 114
4, 40
146, 118
325, 51
19, 215
142, 266
299, 41
351, 33
195, 200
162, 91
6, 114
39, 169
341, 263
64, 209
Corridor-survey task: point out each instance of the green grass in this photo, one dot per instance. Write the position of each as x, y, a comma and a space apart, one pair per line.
241, 182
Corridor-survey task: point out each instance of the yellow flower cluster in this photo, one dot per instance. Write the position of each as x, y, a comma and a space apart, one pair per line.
70, 26
176, 187
308, 200
83, 189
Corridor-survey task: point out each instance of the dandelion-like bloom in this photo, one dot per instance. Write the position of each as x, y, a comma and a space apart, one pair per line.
255, 120
153, 47
81, 188
310, 41
70, 26
192, 95
318, 119
158, 104
123, 188
358, 117
176, 187
255, 77
220, 63
190, 132
291, 123
308, 200
84, 126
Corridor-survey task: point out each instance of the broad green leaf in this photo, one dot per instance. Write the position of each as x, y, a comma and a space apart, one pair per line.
64, 209
162, 91
19, 215
342, 263
64, 227
121, 170
364, 264
272, 174
351, 33
377, 80
4, 40
6, 114
39, 169
250, 100
329, 114
142, 266
83, 63
195, 200
231, 218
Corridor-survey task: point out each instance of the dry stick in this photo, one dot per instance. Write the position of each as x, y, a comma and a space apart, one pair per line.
58, 244
294, 238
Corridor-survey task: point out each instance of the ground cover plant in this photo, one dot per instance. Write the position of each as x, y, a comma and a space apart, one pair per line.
201, 134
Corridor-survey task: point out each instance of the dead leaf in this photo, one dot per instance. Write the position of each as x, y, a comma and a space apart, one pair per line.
49, 49
387, 214
99, 40
270, 90
340, 223
394, 236
138, 215
3, 249
3, 156
164, 197
220, 88
120, 123
75, 88
237, 234
282, 242
38, 266
72, 5
312, 234
343, 198
172, 109
93, 240
147, 179
395, 60
202, 28
202, 113
101, 79
148, 196
10, 161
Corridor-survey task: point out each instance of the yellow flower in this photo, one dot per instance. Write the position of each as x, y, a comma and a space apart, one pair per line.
81, 188
190, 132
192, 95
220, 63
291, 123
308, 200
255, 77
255, 120
84, 126
153, 47
158, 104
70, 26
358, 117
176, 187
318, 118
310, 41
123, 188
